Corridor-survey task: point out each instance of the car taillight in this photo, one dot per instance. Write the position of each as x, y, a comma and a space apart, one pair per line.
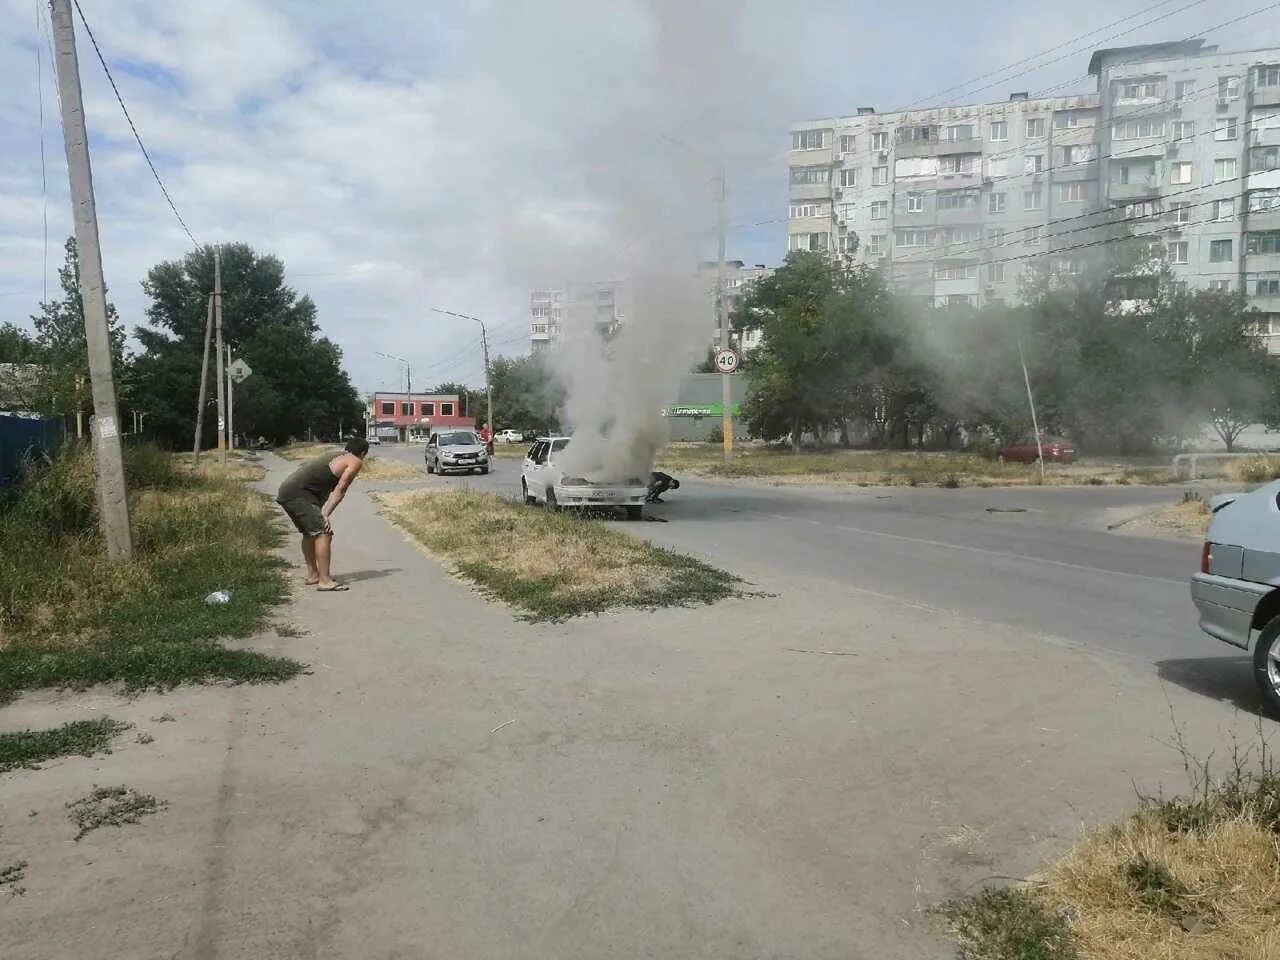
1206, 557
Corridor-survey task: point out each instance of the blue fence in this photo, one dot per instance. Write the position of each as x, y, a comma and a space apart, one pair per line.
23, 437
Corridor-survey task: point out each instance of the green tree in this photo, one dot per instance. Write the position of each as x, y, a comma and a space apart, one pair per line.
18, 346
63, 352
527, 395
298, 386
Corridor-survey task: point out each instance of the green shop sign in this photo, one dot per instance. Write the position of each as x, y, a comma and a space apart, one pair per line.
699, 410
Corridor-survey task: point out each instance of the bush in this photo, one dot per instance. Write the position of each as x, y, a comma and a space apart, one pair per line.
1259, 469
985, 448
715, 435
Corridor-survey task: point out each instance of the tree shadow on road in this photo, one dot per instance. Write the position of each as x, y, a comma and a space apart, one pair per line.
359, 575
1228, 679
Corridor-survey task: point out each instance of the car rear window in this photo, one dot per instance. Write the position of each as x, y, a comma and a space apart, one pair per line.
559, 445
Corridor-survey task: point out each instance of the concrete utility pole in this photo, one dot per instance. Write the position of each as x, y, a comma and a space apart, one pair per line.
204, 384
722, 311
1035, 424
408, 382
113, 500
484, 341
217, 334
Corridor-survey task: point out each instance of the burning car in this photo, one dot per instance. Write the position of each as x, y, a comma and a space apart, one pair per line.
543, 480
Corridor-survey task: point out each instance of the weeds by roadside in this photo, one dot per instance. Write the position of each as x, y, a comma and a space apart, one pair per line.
550, 565
111, 807
69, 617
81, 737
1194, 877
11, 877
375, 467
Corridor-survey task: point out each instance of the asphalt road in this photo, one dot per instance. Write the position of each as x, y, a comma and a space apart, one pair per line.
1037, 559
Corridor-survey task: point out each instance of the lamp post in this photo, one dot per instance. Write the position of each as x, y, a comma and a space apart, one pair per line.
484, 341
408, 380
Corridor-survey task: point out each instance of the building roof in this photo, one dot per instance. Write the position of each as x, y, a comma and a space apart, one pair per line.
1147, 51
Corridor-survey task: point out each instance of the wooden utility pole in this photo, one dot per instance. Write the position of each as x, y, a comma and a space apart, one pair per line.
722, 312
204, 384
113, 500
217, 334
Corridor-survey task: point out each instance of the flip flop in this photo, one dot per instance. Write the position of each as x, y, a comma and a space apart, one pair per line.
336, 588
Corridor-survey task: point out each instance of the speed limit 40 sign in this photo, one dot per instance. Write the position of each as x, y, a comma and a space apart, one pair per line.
727, 360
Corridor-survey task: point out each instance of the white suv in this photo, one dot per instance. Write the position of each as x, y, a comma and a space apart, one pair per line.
542, 480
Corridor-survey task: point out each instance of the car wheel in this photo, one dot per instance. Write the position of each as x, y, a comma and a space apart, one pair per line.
552, 505
1266, 664
635, 513
524, 489
484, 471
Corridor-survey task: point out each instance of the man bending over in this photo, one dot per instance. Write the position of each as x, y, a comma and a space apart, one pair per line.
310, 495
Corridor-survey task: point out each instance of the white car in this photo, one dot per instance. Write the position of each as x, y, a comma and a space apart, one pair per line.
542, 480
509, 436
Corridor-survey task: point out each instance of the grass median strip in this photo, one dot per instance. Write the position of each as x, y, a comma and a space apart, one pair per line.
69, 617
1196, 878
375, 467
84, 738
551, 566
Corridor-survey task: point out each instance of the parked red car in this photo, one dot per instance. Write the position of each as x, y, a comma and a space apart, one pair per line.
1056, 450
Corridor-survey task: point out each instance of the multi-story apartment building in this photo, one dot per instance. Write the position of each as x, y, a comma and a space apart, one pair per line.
554, 311
738, 278
1179, 140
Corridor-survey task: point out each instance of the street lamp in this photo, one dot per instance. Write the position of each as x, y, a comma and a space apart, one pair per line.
484, 340
408, 380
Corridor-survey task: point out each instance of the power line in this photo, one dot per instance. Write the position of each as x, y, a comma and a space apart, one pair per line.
136, 136
1034, 56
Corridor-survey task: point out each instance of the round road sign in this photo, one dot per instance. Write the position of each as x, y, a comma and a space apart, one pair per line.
727, 360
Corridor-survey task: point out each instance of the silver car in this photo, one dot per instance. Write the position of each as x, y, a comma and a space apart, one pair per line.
455, 451
1237, 590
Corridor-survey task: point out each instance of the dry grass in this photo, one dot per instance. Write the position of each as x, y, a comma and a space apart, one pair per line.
238, 467
1138, 891
1257, 469
375, 467
551, 565
905, 468
1188, 519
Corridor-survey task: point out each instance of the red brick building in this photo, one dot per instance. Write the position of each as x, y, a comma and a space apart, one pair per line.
401, 416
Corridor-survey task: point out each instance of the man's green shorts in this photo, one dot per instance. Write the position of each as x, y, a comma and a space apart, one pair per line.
305, 514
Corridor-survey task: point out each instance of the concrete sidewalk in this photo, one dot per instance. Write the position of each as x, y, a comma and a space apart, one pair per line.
787, 776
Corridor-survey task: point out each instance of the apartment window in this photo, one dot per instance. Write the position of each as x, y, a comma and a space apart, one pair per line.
808, 139
809, 241
1228, 88
1032, 200
1137, 130
1179, 251
1184, 129
849, 243
879, 209
968, 271
1136, 90
953, 235
875, 246
406, 409
849, 178
1182, 89
1179, 172
880, 140
1033, 163
1228, 130
915, 203
1035, 235
1219, 251
1224, 209
1144, 208
1035, 127
964, 163
1222, 286
810, 175
911, 238
1066, 121
846, 142
996, 235
958, 200
1181, 211
1264, 158
996, 272
1263, 200
998, 167
803, 210
1261, 244
879, 176
996, 203
1224, 170
1138, 173
960, 131
388, 409
1000, 130
915, 134
1077, 153
1073, 192
1263, 284
1267, 76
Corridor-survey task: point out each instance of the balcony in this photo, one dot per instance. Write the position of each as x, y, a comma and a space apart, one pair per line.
1072, 172
811, 191
816, 157
1260, 220
1268, 96
916, 148
968, 145
1138, 188
960, 216
1267, 303
1262, 262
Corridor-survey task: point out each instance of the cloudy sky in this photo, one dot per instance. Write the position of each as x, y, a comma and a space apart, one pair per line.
400, 156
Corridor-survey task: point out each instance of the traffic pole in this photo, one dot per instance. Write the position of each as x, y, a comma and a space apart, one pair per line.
722, 311
113, 499
217, 335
